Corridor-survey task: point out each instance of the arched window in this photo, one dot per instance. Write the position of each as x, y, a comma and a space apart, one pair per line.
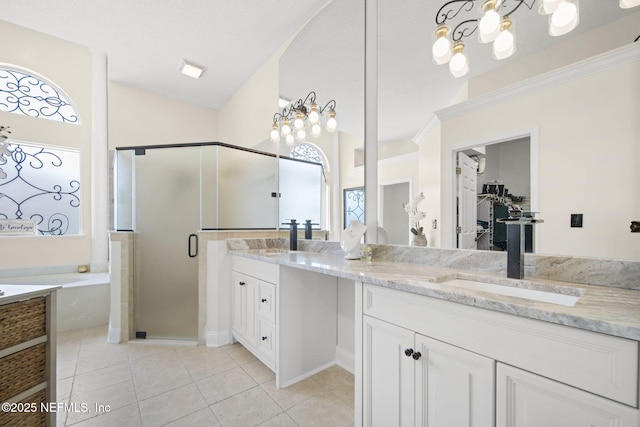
309, 152
26, 94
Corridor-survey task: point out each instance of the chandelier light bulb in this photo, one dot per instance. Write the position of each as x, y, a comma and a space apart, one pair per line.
489, 24
316, 129
286, 129
627, 4
458, 66
289, 140
332, 124
441, 49
314, 116
564, 19
298, 123
301, 134
504, 45
275, 135
547, 7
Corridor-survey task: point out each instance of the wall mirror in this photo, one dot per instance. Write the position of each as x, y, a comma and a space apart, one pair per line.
411, 88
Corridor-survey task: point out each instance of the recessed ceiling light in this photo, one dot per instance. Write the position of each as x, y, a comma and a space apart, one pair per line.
190, 69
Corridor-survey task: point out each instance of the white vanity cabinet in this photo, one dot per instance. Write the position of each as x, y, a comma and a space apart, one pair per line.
285, 316
423, 381
544, 374
254, 307
525, 399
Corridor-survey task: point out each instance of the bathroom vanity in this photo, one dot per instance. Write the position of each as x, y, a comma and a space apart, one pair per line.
28, 355
441, 346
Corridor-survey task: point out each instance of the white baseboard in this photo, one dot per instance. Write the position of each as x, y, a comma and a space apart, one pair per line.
218, 338
345, 359
114, 335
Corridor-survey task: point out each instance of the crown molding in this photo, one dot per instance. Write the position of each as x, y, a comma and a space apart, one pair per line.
578, 70
419, 136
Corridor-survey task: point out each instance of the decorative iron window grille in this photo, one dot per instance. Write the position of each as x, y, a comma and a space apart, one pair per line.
306, 151
353, 205
25, 94
43, 185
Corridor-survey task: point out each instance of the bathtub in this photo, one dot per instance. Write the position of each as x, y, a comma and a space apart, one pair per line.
83, 301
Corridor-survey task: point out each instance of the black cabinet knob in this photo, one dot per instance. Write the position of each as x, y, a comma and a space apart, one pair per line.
408, 352
242, 283
416, 355
264, 338
264, 300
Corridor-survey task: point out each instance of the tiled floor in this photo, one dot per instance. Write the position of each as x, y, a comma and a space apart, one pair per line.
171, 385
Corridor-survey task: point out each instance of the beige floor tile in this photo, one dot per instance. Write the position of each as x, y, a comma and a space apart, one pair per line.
201, 418
224, 385
295, 394
240, 354
171, 406
101, 378
91, 358
204, 365
249, 408
157, 379
322, 411
128, 416
281, 420
100, 401
259, 372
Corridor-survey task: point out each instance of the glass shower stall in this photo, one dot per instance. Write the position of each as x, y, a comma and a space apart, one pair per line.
166, 194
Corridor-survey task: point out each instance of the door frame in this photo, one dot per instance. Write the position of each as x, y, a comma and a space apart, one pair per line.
381, 186
450, 162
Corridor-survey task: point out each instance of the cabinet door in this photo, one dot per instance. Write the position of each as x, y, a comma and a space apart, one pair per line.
243, 318
528, 400
388, 374
454, 387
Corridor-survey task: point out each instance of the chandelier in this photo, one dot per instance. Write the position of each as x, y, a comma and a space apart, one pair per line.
494, 24
301, 118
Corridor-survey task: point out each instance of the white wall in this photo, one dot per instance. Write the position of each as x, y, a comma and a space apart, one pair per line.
43, 55
137, 117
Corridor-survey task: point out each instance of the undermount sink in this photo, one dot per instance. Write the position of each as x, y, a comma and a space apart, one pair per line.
551, 294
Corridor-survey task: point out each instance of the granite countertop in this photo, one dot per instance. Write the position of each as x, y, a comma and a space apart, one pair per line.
609, 310
13, 293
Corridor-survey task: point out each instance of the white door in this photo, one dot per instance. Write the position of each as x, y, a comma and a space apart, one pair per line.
525, 399
388, 374
467, 201
454, 387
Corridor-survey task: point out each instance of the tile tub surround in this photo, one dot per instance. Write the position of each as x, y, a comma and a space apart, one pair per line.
606, 309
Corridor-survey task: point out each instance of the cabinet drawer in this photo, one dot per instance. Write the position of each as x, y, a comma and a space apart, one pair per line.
267, 301
254, 268
598, 363
22, 321
525, 399
22, 371
267, 343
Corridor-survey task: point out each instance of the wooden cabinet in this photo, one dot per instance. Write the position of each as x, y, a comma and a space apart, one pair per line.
413, 380
27, 355
547, 374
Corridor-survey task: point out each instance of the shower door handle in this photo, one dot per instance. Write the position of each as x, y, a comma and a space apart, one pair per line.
190, 246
